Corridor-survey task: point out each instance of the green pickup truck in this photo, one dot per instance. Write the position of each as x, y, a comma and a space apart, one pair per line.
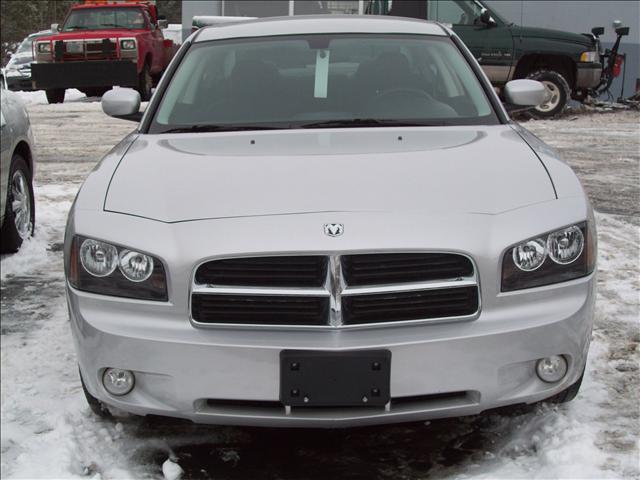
568, 64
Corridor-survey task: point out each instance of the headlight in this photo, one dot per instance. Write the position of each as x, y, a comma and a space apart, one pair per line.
98, 258
128, 44
554, 257
590, 56
100, 267
136, 266
44, 47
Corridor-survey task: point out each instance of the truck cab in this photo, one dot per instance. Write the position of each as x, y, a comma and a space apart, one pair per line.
568, 64
100, 44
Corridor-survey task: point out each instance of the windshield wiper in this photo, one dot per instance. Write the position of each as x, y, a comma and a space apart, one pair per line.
75, 27
372, 122
219, 128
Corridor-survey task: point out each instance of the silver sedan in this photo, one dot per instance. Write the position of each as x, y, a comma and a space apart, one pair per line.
17, 205
328, 221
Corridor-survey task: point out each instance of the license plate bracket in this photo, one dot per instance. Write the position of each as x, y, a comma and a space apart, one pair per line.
310, 378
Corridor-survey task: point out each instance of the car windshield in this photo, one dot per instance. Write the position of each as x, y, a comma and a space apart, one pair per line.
316, 81
25, 46
104, 18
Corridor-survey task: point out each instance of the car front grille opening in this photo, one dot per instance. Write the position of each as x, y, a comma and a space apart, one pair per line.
289, 271
403, 306
259, 309
381, 269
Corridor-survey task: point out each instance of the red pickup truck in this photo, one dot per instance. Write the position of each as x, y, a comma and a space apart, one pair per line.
103, 43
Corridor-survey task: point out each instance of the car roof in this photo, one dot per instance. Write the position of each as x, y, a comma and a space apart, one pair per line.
317, 24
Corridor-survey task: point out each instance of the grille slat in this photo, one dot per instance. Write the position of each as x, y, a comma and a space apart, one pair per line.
376, 288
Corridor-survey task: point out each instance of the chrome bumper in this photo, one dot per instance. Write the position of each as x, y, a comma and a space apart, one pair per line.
588, 74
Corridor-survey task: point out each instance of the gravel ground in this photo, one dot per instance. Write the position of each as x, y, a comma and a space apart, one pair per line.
48, 431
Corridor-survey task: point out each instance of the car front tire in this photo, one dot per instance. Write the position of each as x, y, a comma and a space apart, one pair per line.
95, 405
145, 83
19, 216
55, 95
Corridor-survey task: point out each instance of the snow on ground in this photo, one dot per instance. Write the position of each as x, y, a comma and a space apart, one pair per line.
49, 432
39, 97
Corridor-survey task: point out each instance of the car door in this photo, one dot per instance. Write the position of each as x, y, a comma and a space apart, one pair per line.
492, 45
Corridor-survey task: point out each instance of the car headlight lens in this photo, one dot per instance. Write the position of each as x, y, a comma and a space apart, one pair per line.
529, 256
44, 47
565, 246
99, 267
571, 251
98, 258
127, 44
590, 56
135, 266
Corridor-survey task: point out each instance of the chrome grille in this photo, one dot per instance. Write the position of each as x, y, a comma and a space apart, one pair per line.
335, 291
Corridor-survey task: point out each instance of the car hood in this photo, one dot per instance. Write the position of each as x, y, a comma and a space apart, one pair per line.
549, 34
182, 177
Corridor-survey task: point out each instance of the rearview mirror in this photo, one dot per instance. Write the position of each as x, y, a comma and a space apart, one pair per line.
122, 103
525, 93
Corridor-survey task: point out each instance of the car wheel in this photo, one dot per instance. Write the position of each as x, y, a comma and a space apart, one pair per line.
95, 405
95, 91
559, 93
145, 83
55, 95
19, 216
567, 394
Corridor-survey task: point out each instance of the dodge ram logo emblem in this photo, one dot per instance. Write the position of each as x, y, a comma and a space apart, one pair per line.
333, 229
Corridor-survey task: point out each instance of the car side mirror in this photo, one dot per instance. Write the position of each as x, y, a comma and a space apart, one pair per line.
9, 55
162, 22
524, 93
486, 18
123, 103
55, 27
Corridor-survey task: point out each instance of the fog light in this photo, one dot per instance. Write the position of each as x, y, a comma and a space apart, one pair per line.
118, 382
551, 369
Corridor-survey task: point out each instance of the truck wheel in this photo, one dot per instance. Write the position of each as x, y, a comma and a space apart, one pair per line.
56, 95
19, 212
145, 83
558, 89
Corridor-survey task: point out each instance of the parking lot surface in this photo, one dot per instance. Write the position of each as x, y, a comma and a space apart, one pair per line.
48, 430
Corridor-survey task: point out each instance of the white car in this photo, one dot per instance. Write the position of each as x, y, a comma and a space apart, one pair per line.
17, 204
328, 221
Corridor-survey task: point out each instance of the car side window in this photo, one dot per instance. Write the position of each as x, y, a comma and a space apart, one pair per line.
455, 12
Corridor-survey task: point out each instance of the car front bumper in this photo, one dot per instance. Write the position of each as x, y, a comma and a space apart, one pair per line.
231, 376
18, 81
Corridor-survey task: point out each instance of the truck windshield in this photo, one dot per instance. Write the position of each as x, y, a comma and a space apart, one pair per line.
323, 81
104, 18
